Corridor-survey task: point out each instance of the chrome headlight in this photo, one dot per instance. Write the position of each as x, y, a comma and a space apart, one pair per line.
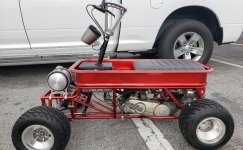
59, 79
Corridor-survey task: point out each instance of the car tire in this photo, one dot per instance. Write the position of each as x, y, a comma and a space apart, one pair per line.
205, 124
41, 128
176, 43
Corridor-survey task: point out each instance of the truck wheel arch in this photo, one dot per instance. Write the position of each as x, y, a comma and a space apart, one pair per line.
198, 13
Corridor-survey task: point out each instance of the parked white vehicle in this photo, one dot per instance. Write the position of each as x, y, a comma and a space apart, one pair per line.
46, 31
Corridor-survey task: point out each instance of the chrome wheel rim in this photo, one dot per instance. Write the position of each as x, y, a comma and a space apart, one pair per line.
189, 45
211, 130
37, 137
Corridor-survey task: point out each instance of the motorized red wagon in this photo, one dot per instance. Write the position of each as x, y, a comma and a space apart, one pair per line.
124, 88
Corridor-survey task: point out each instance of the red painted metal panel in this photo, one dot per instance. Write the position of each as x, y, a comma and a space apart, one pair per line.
123, 76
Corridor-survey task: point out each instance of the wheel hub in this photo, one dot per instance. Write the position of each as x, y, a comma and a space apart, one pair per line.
41, 135
189, 45
206, 126
37, 137
187, 48
211, 130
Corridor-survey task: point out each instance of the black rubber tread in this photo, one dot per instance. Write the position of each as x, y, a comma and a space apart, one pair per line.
65, 121
196, 111
63, 118
47, 116
180, 26
59, 115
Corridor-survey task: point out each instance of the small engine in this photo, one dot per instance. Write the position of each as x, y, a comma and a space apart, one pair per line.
148, 103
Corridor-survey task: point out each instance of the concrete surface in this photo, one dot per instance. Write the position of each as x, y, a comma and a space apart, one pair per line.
21, 87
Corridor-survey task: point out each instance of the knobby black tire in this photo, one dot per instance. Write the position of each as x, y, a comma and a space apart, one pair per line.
65, 121
49, 117
194, 112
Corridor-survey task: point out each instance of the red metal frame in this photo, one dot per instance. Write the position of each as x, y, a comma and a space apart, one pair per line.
122, 76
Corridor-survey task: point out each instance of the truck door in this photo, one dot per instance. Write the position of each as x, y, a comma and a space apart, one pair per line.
140, 24
58, 23
12, 33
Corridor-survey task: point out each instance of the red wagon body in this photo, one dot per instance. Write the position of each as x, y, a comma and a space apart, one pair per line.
123, 76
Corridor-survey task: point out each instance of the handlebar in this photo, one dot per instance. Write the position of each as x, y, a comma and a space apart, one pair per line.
103, 10
109, 30
103, 7
116, 5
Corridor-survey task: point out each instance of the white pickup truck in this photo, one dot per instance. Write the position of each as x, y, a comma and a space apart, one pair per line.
46, 31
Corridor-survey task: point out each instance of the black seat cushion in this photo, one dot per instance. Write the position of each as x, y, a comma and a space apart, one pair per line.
166, 64
93, 66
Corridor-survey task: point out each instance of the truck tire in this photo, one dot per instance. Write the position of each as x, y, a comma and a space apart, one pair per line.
41, 128
186, 39
148, 55
205, 124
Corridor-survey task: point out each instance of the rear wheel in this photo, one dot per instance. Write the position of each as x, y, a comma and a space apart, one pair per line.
41, 128
186, 39
206, 124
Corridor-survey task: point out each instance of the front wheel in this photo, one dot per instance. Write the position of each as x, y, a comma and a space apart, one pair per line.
206, 124
41, 128
186, 39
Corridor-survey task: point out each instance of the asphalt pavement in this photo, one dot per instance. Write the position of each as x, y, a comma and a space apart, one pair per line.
21, 87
